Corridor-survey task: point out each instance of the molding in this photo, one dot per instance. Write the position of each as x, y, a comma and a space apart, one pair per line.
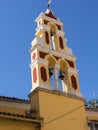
21, 118
75, 93
38, 60
59, 93
42, 61
37, 43
72, 70
43, 16
41, 85
59, 32
55, 52
42, 27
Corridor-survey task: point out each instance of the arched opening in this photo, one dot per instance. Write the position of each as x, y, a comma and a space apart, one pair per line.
51, 69
53, 36
63, 79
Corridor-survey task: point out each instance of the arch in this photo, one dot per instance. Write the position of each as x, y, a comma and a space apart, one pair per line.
51, 70
64, 77
64, 69
52, 26
63, 64
51, 60
74, 82
53, 35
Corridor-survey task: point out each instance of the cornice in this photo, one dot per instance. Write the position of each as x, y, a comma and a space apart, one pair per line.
59, 93
43, 16
42, 27
72, 70
38, 60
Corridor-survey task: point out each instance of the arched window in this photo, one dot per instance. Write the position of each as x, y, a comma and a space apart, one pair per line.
52, 39
74, 82
52, 78
61, 76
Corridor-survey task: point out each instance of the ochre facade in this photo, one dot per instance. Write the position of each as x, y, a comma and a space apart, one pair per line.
55, 101
60, 110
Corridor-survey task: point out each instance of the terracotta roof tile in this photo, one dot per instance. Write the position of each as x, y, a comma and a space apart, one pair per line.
19, 115
13, 99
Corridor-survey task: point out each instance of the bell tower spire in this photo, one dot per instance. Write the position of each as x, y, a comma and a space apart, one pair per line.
53, 65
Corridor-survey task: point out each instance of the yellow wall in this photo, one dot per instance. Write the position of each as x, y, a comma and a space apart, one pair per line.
8, 124
54, 105
12, 110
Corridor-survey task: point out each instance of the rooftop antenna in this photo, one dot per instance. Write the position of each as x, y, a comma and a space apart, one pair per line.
49, 2
94, 94
95, 99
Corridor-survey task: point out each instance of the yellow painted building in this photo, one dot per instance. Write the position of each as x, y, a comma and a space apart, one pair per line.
55, 101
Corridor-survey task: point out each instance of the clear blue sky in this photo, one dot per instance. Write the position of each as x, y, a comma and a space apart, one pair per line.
17, 28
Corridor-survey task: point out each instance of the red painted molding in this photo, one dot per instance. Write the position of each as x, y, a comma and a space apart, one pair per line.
74, 82
34, 56
71, 64
42, 54
34, 75
50, 14
43, 74
61, 43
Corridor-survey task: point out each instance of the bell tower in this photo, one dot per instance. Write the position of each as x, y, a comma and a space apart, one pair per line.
55, 86
52, 63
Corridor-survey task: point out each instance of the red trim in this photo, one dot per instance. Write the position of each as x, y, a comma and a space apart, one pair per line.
43, 74
47, 37
34, 56
34, 75
61, 43
58, 26
45, 21
74, 82
42, 54
57, 58
71, 64
50, 14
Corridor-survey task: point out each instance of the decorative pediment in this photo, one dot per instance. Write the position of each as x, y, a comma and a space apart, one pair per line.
50, 14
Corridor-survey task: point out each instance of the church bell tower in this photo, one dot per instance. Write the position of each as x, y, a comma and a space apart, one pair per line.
55, 89
53, 65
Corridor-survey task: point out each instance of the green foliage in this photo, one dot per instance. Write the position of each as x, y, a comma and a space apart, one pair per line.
92, 104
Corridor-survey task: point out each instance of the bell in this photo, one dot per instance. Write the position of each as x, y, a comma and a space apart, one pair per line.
61, 75
50, 72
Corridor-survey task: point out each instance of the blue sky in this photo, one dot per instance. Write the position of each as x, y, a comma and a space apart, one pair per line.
17, 29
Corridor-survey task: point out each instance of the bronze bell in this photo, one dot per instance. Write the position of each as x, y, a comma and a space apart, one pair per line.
61, 75
50, 72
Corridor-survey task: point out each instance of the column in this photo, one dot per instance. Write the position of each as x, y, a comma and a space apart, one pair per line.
56, 69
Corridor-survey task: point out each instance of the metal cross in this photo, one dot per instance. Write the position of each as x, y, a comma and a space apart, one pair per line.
49, 2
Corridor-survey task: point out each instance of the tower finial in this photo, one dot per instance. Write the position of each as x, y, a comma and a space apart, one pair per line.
49, 2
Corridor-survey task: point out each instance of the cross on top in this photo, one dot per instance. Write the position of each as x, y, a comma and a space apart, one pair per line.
49, 2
